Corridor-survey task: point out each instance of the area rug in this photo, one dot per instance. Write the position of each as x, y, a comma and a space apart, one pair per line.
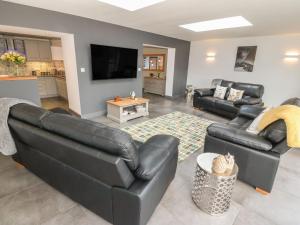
190, 129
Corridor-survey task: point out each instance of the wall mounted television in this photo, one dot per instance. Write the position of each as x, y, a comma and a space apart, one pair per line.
113, 62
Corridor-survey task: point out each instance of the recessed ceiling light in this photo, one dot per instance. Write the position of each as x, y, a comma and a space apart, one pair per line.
131, 5
229, 22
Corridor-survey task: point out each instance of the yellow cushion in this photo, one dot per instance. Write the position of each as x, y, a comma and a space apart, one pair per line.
291, 116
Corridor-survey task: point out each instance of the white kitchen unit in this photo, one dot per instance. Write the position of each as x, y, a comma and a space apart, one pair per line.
47, 87
57, 53
38, 50
62, 88
155, 85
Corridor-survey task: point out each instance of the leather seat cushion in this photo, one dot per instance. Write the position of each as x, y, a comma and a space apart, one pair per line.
240, 123
154, 153
253, 90
225, 105
28, 113
240, 137
107, 139
207, 102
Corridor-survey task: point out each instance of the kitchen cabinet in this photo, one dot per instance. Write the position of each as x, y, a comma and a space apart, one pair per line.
38, 50
45, 50
3, 45
19, 46
62, 88
57, 53
155, 85
47, 87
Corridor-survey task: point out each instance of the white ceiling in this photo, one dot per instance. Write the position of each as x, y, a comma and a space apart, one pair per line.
268, 16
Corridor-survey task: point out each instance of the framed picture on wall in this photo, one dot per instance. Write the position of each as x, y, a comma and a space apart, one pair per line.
245, 58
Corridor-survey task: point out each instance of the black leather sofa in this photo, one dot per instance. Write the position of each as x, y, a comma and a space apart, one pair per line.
101, 168
257, 156
203, 98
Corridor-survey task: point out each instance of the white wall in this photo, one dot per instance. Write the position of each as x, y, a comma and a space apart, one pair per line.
280, 78
69, 56
170, 72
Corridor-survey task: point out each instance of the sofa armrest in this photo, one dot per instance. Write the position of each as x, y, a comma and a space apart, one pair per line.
205, 92
238, 136
248, 101
154, 153
250, 111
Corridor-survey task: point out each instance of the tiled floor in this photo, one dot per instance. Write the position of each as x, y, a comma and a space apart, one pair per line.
26, 200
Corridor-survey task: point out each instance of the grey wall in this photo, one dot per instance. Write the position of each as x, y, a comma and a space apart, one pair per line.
93, 94
24, 89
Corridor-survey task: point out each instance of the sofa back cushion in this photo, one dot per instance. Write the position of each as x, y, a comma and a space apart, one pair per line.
252, 90
28, 113
227, 83
276, 132
104, 138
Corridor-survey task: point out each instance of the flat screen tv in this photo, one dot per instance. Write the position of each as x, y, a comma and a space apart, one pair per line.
113, 62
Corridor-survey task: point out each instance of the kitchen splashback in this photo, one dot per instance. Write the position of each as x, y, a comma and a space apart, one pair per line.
39, 67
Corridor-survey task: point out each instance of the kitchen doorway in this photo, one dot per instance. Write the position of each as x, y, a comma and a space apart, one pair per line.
158, 70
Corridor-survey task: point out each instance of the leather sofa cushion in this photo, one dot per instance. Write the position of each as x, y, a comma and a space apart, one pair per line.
240, 122
207, 102
253, 90
238, 136
227, 83
205, 92
250, 111
154, 153
225, 105
275, 132
28, 113
292, 101
107, 139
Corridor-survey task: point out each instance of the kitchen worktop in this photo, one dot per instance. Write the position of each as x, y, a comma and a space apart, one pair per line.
7, 77
156, 78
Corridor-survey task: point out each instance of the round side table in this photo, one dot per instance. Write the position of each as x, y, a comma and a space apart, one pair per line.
212, 193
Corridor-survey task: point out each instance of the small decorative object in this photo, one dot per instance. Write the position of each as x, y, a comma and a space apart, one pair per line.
13, 59
245, 58
132, 95
219, 165
117, 99
230, 162
223, 164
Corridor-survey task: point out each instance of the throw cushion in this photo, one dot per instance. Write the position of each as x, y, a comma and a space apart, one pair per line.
235, 95
220, 92
253, 128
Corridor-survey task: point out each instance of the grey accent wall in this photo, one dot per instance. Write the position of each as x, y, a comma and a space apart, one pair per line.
93, 94
24, 89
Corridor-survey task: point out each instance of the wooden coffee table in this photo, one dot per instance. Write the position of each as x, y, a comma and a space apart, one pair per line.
127, 109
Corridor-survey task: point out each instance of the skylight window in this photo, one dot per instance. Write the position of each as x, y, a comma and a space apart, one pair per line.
131, 5
218, 24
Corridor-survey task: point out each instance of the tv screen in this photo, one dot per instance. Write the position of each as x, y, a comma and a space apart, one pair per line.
113, 62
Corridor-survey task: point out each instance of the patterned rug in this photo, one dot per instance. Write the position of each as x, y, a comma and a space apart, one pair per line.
190, 129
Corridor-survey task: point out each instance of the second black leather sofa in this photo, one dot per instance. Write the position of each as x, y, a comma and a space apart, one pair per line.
203, 98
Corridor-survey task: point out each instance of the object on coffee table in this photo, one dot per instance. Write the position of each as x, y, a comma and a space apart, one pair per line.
117, 99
